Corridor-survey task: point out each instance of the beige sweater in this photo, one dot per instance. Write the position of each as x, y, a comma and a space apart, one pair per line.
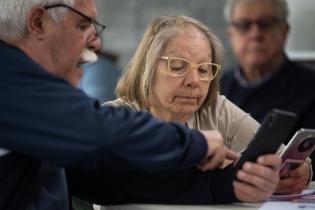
236, 126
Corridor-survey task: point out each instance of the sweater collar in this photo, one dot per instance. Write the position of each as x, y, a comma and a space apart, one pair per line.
245, 83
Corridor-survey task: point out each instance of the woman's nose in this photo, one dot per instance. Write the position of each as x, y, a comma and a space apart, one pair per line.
192, 78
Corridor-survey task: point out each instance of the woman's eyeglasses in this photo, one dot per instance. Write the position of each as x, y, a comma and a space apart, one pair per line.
181, 67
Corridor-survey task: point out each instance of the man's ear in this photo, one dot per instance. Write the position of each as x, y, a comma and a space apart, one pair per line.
228, 32
286, 30
36, 21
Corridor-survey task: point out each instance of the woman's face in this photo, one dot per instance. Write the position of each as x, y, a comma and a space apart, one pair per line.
176, 98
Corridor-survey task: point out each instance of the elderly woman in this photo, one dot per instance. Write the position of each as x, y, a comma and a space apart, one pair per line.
174, 74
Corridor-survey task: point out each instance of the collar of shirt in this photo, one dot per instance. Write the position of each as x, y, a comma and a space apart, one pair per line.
246, 84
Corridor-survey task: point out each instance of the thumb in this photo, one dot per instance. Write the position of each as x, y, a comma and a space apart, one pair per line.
231, 155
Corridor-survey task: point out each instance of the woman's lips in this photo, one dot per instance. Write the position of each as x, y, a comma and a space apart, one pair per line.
186, 99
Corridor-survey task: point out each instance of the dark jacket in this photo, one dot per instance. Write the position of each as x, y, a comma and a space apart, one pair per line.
45, 119
291, 88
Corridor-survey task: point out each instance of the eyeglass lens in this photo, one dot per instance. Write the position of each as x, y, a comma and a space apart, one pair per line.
99, 28
181, 67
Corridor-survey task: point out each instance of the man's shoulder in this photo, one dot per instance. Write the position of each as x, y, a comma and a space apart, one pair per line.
227, 80
302, 71
8, 51
302, 77
227, 74
15, 62
307, 73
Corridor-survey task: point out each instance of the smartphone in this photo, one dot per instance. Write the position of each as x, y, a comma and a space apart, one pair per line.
301, 145
274, 129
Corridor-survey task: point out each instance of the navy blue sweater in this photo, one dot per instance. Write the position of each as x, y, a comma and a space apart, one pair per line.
44, 119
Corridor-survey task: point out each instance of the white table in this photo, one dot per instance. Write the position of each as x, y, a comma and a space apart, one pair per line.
234, 206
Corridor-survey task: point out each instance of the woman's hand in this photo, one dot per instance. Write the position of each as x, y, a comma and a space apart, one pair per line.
257, 181
296, 181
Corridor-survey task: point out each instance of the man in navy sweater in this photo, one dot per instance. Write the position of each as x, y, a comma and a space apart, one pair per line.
265, 78
47, 125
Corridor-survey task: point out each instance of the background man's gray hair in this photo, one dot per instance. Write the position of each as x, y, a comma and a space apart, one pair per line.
280, 5
13, 15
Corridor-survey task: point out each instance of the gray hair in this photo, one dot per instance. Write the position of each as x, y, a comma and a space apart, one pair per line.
136, 81
281, 7
13, 16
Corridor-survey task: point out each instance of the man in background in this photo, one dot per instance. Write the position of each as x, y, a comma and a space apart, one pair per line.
265, 78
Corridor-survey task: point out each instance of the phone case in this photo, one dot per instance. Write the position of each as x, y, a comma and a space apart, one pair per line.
275, 128
298, 149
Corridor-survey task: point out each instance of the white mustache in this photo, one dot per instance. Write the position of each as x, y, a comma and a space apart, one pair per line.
88, 56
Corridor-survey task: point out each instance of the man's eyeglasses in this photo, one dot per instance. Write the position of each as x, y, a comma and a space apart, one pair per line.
181, 67
98, 26
245, 25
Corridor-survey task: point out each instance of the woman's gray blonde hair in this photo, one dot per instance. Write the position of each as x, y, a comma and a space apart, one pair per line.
135, 82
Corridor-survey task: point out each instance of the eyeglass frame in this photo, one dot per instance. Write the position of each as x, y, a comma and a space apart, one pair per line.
92, 20
192, 66
263, 24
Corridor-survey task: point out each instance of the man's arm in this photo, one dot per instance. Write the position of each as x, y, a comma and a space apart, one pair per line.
44, 117
189, 186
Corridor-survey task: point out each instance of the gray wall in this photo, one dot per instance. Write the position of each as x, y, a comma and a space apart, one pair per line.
126, 20
301, 42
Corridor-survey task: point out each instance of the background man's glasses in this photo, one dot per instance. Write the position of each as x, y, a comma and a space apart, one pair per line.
245, 25
181, 67
98, 26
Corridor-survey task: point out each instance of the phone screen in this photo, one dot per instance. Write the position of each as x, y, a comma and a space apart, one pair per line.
298, 149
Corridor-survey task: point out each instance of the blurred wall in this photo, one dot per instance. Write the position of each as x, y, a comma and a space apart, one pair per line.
301, 42
127, 19
99, 79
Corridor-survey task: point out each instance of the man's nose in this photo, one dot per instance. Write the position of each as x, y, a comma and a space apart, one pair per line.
254, 30
95, 43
